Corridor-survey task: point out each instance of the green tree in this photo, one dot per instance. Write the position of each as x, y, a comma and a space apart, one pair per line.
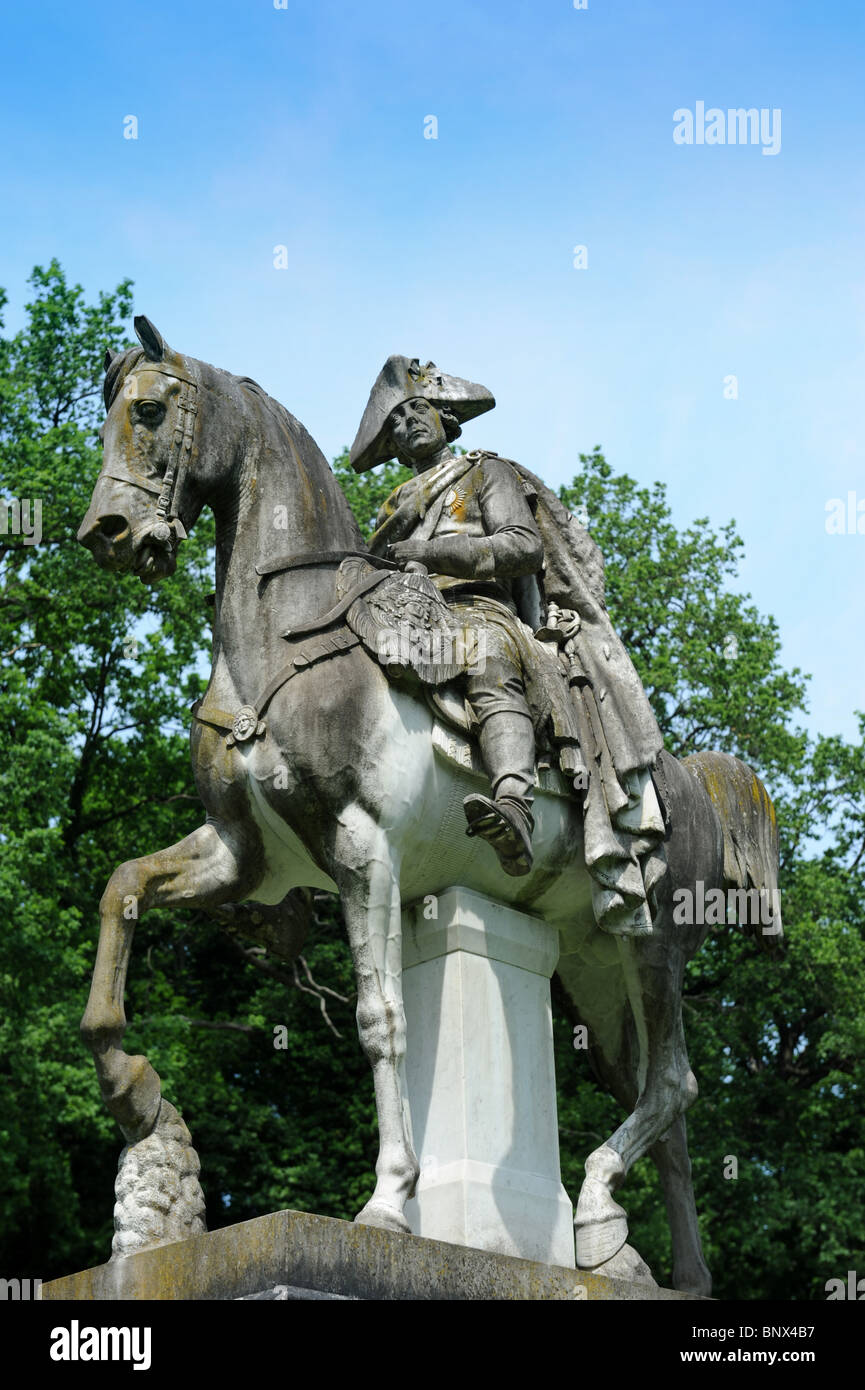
777, 1045
708, 660
97, 676
97, 673
365, 492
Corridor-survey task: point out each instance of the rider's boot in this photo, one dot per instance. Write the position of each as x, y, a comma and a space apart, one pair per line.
507, 743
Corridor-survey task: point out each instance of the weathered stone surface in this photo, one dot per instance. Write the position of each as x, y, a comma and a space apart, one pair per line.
627, 1264
315, 1255
480, 1078
317, 770
159, 1198
287, 1293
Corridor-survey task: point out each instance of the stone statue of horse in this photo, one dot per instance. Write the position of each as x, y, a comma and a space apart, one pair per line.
330, 779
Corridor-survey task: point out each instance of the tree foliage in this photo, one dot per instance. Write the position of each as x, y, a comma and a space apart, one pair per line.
777, 1046
97, 674
366, 492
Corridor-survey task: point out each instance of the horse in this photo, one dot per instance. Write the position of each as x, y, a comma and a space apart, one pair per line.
340, 788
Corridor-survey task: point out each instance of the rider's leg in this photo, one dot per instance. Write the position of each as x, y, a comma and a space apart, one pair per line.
507, 744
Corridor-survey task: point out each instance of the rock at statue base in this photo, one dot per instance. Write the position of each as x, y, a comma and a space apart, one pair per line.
159, 1198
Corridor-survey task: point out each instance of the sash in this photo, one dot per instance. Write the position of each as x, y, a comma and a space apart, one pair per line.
410, 503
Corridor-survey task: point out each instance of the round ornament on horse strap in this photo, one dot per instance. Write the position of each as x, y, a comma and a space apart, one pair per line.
245, 724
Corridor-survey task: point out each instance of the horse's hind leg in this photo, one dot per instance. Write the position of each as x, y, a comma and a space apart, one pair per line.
670, 1154
200, 871
653, 972
367, 873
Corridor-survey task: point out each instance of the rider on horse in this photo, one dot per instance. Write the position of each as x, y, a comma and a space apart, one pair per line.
511, 560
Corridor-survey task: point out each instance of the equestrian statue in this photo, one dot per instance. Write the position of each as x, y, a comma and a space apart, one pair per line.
344, 675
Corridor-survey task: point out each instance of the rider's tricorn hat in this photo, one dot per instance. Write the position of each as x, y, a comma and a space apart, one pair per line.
402, 379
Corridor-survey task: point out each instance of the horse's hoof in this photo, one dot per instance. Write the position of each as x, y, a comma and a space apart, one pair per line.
599, 1241
627, 1264
383, 1217
601, 1225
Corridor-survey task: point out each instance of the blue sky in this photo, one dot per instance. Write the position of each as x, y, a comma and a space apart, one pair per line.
304, 127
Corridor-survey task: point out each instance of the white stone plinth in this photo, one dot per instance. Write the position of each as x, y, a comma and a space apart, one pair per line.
480, 1080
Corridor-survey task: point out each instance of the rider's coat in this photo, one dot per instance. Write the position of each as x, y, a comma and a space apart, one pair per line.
506, 544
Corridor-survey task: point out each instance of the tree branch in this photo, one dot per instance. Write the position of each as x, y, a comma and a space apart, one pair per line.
253, 956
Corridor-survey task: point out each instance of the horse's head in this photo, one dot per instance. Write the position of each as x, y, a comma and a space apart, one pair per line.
179, 435
151, 488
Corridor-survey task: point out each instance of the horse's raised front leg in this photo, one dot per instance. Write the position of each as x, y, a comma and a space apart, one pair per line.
653, 972
157, 1188
367, 873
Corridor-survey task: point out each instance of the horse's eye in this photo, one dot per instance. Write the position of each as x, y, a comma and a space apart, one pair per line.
150, 412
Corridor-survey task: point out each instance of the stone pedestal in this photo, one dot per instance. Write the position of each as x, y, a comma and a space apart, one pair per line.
292, 1255
479, 1077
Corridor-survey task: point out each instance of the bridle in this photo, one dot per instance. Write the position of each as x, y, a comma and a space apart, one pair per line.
180, 453
167, 528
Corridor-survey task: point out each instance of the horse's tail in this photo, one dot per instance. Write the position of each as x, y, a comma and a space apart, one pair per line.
750, 829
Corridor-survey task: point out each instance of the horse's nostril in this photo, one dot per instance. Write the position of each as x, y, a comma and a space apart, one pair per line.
112, 526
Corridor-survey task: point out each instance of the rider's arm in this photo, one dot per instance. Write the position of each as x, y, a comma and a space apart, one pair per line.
512, 545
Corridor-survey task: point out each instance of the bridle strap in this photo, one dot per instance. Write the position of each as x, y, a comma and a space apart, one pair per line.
168, 525
181, 452
120, 476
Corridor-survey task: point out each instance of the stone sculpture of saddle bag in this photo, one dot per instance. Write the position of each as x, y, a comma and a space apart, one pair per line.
405, 624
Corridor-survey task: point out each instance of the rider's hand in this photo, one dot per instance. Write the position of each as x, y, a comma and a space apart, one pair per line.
404, 551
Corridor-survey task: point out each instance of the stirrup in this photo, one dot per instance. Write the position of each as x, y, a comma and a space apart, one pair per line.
504, 826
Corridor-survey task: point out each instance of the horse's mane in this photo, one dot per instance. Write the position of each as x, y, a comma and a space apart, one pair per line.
122, 364
281, 414
299, 438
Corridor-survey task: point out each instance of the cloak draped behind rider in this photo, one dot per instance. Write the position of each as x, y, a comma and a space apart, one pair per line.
610, 715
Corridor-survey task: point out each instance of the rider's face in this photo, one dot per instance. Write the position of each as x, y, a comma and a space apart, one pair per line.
416, 431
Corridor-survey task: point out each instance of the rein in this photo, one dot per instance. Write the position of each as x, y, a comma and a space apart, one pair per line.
248, 723
168, 527
319, 557
178, 462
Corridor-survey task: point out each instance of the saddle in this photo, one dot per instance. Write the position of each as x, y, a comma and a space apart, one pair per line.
410, 631
402, 621
406, 625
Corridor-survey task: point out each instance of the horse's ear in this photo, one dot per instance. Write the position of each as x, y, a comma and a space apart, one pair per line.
149, 337
109, 357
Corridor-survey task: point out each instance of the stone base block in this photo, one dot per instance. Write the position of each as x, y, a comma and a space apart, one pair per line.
493, 1208
480, 1079
291, 1255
